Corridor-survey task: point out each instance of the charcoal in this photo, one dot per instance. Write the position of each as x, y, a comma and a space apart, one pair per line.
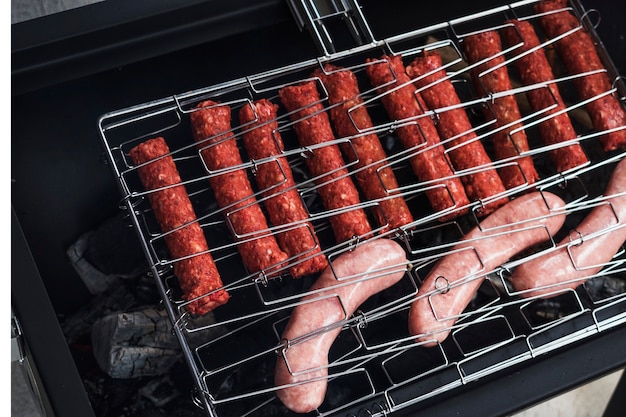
140, 343
125, 296
546, 310
114, 248
603, 287
159, 391
107, 255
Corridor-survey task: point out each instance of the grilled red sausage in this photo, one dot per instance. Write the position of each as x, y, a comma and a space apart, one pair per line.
349, 117
535, 69
197, 273
336, 188
262, 139
430, 163
317, 321
210, 123
579, 54
584, 252
489, 78
453, 281
440, 93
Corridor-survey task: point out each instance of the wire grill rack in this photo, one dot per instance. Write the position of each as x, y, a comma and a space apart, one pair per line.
375, 365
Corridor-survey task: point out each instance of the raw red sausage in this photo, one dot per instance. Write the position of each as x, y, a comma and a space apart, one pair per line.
454, 124
197, 273
262, 139
210, 123
489, 77
349, 117
534, 68
336, 188
585, 251
579, 54
317, 321
453, 281
430, 164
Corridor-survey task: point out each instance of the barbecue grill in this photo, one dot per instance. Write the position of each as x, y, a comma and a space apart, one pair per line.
499, 343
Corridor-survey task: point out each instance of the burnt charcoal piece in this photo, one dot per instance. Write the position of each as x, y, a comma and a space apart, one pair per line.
113, 248
140, 343
544, 311
107, 255
603, 287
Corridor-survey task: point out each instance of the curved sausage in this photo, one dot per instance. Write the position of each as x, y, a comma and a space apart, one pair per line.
336, 188
370, 268
584, 252
284, 205
430, 163
534, 68
197, 275
349, 117
579, 54
449, 287
210, 123
440, 93
489, 78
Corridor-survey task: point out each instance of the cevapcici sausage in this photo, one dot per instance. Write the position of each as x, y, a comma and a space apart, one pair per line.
210, 123
429, 162
491, 77
534, 68
336, 188
578, 52
585, 251
284, 205
453, 281
349, 117
455, 125
197, 273
317, 321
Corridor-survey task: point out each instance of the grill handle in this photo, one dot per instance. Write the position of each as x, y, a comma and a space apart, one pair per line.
319, 16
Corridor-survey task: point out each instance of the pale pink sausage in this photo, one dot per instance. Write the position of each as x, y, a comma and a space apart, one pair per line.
352, 278
453, 281
584, 252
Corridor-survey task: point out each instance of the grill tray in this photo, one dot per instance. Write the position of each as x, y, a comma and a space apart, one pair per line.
375, 365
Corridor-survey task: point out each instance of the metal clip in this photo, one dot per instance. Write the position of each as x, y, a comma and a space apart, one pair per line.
262, 279
361, 319
445, 288
579, 241
181, 323
354, 242
254, 168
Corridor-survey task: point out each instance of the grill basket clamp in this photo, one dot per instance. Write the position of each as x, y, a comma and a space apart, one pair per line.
317, 16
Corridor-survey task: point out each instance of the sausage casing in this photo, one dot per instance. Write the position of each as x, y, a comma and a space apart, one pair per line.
317, 321
468, 153
534, 69
579, 54
492, 77
196, 271
449, 287
584, 252
210, 123
430, 163
326, 163
262, 139
349, 116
